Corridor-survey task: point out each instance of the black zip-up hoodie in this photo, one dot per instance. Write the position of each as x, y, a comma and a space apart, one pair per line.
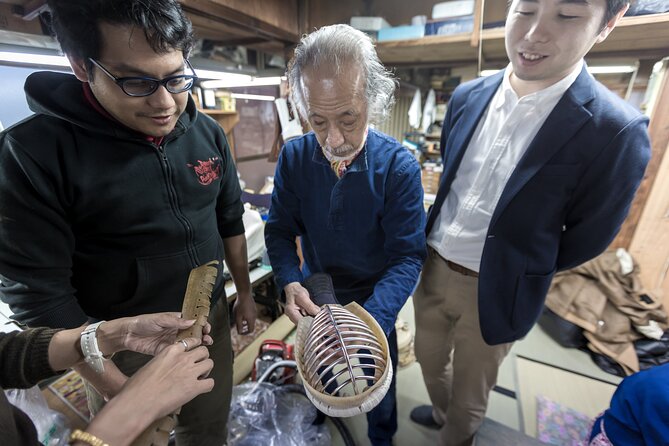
98, 222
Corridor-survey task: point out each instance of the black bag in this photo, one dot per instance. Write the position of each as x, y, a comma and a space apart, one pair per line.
561, 330
651, 352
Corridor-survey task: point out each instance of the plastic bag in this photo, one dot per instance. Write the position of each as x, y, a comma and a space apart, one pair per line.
272, 415
52, 428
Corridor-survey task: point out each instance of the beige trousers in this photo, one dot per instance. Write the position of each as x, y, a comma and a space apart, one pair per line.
459, 368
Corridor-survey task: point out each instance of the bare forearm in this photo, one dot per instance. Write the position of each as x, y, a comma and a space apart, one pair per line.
65, 352
65, 347
237, 261
108, 383
121, 411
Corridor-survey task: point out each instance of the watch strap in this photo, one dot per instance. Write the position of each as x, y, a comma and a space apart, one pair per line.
90, 349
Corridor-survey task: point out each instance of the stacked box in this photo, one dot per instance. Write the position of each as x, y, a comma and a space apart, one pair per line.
430, 176
452, 8
369, 24
401, 32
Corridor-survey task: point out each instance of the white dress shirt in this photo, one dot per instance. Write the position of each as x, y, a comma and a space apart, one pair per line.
499, 142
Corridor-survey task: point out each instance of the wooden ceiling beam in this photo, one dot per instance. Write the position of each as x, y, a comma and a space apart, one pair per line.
31, 9
241, 41
219, 12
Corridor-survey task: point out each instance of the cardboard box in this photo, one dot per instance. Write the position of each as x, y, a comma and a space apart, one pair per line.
430, 177
225, 102
447, 27
11, 22
369, 24
453, 8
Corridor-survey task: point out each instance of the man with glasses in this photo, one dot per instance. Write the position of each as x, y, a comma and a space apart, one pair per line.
117, 187
138, 86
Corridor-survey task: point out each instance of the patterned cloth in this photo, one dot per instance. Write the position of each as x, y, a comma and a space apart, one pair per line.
600, 438
560, 425
338, 163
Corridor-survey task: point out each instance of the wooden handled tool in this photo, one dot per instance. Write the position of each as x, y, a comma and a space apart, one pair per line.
196, 306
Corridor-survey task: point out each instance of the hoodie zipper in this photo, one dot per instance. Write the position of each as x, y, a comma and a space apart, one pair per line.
172, 194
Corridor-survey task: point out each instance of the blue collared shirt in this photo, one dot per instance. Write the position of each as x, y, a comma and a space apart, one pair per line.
367, 229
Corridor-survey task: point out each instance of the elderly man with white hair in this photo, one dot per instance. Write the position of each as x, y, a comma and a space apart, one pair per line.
350, 193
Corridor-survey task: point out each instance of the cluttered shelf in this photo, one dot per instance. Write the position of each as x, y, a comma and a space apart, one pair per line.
224, 113
639, 35
226, 119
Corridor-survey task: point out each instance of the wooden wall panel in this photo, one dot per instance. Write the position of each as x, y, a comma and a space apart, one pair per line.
282, 13
659, 138
650, 242
266, 19
650, 245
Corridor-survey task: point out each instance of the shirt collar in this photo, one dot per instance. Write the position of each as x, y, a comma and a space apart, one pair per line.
509, 96
359, 163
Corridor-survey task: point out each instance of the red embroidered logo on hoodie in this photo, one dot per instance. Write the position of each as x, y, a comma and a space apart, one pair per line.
207, 171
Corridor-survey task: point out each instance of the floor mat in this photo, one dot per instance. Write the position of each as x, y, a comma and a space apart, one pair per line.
240, 342
492, 433
560, 425
538, 383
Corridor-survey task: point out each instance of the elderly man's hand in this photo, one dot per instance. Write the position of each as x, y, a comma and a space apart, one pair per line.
298, 302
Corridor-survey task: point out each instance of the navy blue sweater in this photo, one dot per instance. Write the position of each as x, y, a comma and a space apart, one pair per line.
366, 229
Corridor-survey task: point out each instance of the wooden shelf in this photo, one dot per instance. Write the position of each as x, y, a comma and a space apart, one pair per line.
640, 36
226, 119
217, 112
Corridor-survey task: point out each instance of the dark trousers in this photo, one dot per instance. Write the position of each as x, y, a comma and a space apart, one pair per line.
382, 420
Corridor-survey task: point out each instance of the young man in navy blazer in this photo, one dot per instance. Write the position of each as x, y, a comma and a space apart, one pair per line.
541, 163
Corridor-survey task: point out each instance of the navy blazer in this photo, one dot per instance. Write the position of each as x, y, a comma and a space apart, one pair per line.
564, 202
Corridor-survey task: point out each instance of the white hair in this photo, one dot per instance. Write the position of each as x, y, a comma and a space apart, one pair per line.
335, 46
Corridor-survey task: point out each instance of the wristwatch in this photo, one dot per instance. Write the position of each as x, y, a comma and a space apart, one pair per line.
89, 347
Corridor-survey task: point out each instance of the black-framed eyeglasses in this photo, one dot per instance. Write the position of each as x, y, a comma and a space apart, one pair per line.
138, 86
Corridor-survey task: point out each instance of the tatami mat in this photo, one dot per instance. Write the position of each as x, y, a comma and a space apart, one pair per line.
583, 394
503, 409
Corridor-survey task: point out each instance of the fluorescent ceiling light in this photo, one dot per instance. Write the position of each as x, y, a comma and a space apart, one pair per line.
239, 80
34, 59
252, 97
223, 76
612, 69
